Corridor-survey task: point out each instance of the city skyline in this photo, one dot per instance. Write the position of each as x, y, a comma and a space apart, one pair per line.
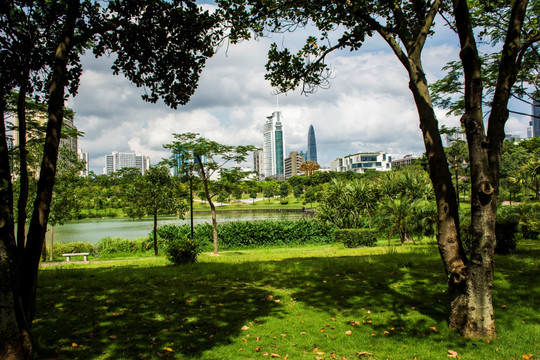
368, 106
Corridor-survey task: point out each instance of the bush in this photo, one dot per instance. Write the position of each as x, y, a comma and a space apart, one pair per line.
352, 238
113, 245
249, 234
182, 250
74, 247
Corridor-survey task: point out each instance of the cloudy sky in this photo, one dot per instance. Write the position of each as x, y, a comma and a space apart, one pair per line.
367, 108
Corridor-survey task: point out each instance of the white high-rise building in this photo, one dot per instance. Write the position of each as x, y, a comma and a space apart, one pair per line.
83, 156
274, 146
117, 161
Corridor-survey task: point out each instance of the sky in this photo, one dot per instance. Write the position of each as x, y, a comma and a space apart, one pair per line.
368, 107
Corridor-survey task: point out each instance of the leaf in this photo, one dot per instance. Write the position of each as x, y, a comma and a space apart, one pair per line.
112, 337
274, 355
258, 349
75, 345
434, 328
348, 332
245, 327
452, 353
168, 349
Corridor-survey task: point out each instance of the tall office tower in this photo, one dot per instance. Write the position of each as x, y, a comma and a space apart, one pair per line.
117, 161
274, 146
258, 163
311, 145
535, 122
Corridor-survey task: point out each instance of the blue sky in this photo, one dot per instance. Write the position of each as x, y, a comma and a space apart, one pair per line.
367, 108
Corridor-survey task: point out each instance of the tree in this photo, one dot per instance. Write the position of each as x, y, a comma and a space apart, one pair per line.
309, 167
160, 45
207, 157
405, 27
153, 193
284, 189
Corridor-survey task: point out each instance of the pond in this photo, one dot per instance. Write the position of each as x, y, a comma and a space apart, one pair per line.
93, 230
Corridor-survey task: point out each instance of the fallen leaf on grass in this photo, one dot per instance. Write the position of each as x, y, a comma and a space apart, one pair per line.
527, 356
245, 327
274, 355
258, 349
364, 353
74, 345
434, 328
348, 332
452, 353
168, 349
112, 337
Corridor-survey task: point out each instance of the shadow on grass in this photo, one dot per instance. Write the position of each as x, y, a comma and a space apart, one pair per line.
142, 312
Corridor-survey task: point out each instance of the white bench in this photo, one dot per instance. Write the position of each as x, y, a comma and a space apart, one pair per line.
76, 254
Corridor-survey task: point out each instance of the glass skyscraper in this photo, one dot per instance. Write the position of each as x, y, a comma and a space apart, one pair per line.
311, 145
274, 146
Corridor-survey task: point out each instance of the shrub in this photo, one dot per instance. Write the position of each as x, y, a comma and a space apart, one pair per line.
182, 250
73, 247
355, 237
249, 234
113, 245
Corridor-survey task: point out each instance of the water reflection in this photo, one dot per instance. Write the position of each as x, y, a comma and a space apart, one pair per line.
93, 230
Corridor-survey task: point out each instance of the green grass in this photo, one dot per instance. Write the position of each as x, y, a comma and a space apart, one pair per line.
300, 302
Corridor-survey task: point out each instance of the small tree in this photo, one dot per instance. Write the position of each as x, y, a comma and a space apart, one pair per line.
153, 193
284, 189
207, 157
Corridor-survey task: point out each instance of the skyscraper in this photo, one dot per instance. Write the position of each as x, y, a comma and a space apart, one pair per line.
274, 146
311, 145
535, 121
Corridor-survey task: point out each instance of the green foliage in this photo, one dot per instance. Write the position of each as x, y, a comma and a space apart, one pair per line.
182, 250
74, 247
248, 234
353, 238
113, 245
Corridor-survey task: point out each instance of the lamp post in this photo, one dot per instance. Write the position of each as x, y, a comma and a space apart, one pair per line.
464, 166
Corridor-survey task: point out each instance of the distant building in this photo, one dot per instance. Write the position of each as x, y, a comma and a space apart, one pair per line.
117, 161
458, 135
258, 163
83, 156
535, 121
69, 139
303, 154
292, 164
274, 146
311, 145
360, 162
405, 161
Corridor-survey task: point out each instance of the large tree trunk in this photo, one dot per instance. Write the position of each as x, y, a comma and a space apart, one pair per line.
23, 174
472, 311
15, 339
38, 223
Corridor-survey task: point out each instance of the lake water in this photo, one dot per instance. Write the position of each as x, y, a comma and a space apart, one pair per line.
93, 230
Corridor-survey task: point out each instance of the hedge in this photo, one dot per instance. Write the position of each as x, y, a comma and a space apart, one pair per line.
352, 238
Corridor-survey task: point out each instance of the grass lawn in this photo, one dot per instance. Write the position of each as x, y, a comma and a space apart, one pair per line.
321, 302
